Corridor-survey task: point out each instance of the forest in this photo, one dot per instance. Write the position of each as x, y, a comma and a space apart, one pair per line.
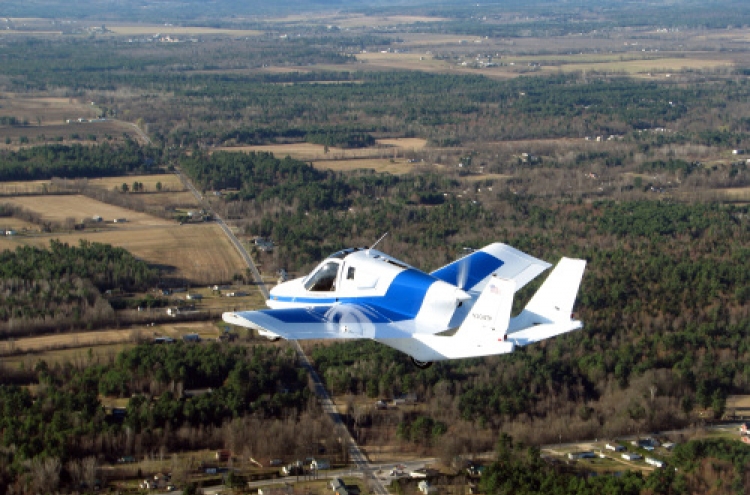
77, 161
238, 387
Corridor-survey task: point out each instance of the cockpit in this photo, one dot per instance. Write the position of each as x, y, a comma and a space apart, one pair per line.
324, 278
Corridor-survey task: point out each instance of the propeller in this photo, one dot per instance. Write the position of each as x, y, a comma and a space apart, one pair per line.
462, 274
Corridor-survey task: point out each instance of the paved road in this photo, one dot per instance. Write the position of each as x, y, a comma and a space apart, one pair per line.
230, 235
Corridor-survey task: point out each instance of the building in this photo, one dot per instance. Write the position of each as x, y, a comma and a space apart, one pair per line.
194, 297
319, 464
745, 429
615, 447
581, 455
654, 462
191, 337
631, 456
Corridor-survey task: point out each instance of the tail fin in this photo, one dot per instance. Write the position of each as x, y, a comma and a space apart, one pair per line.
549, 312
491, 313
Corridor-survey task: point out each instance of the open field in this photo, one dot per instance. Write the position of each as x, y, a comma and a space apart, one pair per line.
354, 20
45, 110
61, 208
197, 252
73, 355
736, 194
89, 133
125, 29
380, 165
385, 148
169, 182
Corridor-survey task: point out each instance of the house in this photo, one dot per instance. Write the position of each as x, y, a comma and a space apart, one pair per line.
238, 293
223, 455
423, 473
191, 337
10, 232
654, 462
120, 220
194, 297
581, 455
319, 464
163, 340
96, 218
630, 456
614, 446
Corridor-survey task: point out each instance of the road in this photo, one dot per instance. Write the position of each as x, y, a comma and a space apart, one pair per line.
355, 453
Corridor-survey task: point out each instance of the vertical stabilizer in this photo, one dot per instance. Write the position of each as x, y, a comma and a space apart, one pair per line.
550, 310
490, 315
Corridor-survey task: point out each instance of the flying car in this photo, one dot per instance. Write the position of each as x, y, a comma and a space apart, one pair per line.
461, 310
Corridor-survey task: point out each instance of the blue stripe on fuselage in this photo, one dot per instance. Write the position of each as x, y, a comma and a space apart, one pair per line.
479, 264
402, 300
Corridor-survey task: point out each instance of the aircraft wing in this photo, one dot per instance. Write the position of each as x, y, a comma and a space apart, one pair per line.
336, 321
472, 272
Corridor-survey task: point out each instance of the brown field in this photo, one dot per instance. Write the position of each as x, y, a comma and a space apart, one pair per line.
356, 20
385, 148
738, 401
380, 165
737, 193
61, 208
51, 111
197, 252
169, 182
46, 134
10, 223
175, 31
184, 199
73, 355
67, 340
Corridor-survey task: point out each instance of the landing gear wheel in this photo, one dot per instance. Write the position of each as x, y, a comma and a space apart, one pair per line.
422, 365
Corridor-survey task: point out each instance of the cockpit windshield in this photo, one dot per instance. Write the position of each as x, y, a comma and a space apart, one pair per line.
324, 279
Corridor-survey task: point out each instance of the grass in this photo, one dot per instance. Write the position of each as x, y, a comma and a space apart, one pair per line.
384, 149
61, 208
197, 252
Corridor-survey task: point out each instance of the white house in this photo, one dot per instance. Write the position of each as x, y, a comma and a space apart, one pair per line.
615, 447
631, 456
654, 462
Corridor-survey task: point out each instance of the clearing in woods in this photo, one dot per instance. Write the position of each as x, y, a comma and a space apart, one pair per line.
200, 253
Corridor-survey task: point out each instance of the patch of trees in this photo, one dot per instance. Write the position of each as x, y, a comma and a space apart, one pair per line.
106, 266
44, 289
46, 162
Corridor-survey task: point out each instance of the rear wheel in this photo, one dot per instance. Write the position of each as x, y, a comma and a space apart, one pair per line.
422, 365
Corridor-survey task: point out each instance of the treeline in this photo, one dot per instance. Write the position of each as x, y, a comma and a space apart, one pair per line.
62, 286
340, 137
716, 466
106, 266
105, 160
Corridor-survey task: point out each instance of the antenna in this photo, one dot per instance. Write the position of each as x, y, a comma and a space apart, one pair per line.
378, 241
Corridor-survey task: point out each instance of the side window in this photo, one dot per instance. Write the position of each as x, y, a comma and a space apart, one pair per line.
350, 273
324, 279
